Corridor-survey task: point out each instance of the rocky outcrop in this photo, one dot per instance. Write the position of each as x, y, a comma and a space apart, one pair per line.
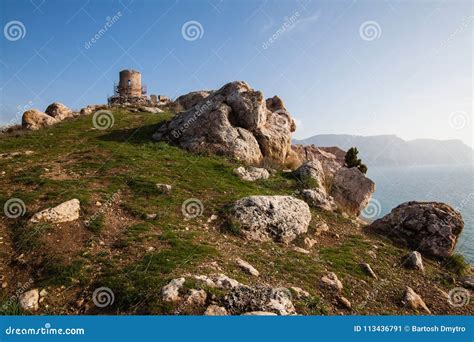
232, 121
191, 99
431, 228
65, 212
34, 119
330, 185
244, 299
351, 190
59, 111
251, 173
281, 218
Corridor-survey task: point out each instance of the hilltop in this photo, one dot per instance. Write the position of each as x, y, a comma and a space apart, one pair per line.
135, 236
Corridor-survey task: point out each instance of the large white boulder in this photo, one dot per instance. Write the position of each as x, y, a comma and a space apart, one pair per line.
262, 218
34, 119
59, 111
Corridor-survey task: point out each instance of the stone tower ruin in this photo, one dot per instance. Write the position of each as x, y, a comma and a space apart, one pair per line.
131, 91
130, 84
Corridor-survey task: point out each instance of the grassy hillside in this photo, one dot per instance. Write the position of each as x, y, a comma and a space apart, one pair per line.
124, 247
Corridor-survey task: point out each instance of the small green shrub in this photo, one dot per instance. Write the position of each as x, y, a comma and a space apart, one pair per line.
352, 160
456, 264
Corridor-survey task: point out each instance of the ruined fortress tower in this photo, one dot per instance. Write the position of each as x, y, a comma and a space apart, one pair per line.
131, 91
130, 84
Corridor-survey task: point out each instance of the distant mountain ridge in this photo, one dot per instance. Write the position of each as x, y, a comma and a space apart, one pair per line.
392, 150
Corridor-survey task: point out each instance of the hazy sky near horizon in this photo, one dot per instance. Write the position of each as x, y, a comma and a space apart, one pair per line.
344, 67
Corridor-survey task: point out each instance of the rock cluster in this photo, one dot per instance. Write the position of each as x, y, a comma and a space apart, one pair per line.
431, 228
237, 299
235, 121
34, 119
333, 186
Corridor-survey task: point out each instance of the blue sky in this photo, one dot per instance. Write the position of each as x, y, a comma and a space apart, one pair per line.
409, 73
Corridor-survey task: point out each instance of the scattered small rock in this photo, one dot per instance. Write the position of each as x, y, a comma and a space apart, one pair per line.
319, 199
344, 302
220, 281
309, 243
414, 301
251, 173
151, 216
196, 297
300, 293
170, 292
30, 300
164, 188
332, 281
321, 228
414, 261
300, 250
247, 267
368, 270
372, 254
215, 310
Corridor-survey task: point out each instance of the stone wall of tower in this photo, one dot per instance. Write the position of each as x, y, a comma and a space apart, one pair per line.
130, 84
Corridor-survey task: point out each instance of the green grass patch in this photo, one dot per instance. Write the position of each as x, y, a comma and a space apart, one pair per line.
456, 264
345, 258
